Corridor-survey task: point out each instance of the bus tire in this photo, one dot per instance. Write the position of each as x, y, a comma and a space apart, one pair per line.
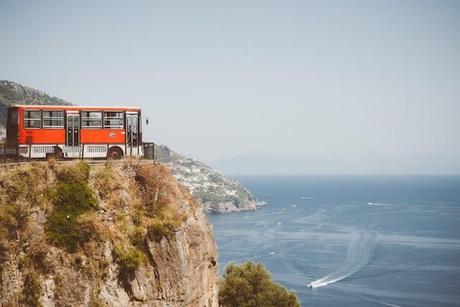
115, 153
57, 154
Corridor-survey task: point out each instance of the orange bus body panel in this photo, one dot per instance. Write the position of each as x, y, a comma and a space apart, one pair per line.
58, 135
42, 136
106, 136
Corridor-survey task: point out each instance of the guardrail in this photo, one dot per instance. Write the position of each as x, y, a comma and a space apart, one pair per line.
31, 152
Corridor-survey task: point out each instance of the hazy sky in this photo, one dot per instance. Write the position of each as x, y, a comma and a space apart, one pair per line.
258, 86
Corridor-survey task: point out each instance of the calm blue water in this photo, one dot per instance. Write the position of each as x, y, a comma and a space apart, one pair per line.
359, 241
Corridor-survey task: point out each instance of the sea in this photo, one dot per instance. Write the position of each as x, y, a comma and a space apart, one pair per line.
351, 240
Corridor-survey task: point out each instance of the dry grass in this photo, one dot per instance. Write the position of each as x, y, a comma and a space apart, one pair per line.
160, 193
106, 181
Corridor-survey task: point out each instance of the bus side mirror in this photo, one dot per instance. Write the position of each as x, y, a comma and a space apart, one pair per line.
146, 120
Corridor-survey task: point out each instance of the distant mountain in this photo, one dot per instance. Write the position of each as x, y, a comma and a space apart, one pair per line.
217, 192
14, 93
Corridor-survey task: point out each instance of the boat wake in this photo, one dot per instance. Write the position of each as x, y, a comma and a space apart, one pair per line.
359, 254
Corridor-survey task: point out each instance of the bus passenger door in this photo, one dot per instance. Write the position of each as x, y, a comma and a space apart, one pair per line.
73, 129
132, 131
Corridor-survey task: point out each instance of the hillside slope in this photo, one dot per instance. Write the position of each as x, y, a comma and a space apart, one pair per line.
15, 93
118, 236
218, 193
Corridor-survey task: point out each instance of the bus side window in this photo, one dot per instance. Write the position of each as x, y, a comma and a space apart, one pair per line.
113, 120
53, 119
91, 119
32, 119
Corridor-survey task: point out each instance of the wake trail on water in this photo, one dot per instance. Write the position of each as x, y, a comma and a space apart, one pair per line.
359, 254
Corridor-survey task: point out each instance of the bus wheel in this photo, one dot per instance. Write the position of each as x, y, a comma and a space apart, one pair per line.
115, 153
57, 154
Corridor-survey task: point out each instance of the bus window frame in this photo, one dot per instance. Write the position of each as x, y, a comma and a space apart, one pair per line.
53, 118
33, 119
82, 119
122, 118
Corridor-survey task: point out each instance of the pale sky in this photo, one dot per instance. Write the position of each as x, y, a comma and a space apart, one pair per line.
258, 86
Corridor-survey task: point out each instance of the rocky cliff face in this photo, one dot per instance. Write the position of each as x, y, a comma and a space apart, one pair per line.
112, 236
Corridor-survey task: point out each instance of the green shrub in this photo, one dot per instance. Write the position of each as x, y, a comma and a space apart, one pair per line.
70, 201
75, 198
84, 169
129, 259
157, 229
249, 285
74, 173
137, 237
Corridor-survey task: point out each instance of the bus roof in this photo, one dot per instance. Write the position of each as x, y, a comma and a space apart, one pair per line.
76, 108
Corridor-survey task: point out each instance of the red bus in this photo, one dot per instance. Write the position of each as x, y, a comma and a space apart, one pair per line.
39, 131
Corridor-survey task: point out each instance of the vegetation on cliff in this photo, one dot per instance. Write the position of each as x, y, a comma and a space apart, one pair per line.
250, 285
71, 235
71, 198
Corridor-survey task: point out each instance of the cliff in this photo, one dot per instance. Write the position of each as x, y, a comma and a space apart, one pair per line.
218, 193
126, 235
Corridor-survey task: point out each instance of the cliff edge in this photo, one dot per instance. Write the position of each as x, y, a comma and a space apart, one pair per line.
126, 235
218, 193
